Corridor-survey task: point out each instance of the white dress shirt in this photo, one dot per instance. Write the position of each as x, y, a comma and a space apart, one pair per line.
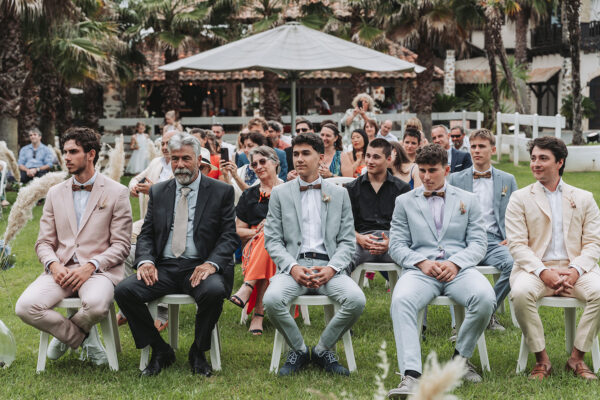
484, 189
166, 172
449, 155
436, 206
556, 250
389, 137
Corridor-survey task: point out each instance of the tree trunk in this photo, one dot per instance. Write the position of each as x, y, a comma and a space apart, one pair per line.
64, 112
170, 90
48, 80
12, 77
28, 116
270, 103
490, 53
93, 107
521, 29
359, 84
572, 11
422, 95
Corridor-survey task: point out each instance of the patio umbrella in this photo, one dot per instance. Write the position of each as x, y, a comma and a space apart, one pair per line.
290, 50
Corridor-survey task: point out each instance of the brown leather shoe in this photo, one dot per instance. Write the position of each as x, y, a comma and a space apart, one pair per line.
540, 371
161, 326
581, 370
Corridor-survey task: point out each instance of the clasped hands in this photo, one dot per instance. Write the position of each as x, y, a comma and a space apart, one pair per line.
562, 281
443, 271
373, 244
149, 274
71, 277
312, 277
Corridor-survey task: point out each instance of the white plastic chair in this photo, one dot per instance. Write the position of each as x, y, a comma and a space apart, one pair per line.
394, 272
174, 301
110, 333
330, 307
303, 313
340, 180
570, 306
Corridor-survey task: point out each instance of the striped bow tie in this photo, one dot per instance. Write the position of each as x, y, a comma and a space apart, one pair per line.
305, 188
484, 175
77, 188
439, 194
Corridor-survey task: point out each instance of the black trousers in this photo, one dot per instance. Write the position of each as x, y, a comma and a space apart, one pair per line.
25, 178
132, 295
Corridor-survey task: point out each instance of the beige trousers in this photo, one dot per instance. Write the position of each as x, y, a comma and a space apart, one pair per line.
35, 307
527, 289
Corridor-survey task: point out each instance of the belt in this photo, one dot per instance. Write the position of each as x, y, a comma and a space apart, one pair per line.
316, 256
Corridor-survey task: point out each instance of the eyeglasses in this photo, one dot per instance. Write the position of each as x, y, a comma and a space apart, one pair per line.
301, 130
456, 136
262, 162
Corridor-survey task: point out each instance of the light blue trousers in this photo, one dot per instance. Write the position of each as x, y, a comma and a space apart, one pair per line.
341, 288
498, 256
415, 290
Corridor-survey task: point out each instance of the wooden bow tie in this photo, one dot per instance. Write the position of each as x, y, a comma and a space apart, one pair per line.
305, 188
439, 194
484, 175
77, 188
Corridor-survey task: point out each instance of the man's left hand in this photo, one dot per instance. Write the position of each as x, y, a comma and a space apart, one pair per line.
321, 276
201, 272
504, 242
449, 271
77, 276
571, 276
378, 245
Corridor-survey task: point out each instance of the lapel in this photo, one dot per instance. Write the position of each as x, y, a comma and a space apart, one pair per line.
424, 207
567, 209
497, 194
468, 175
95, 194
450, 206
537, 191
169, 207
297, 203
201, 200
324, 192
70, 205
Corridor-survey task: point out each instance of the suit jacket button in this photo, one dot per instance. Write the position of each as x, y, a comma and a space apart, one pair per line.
77, 245
299, 243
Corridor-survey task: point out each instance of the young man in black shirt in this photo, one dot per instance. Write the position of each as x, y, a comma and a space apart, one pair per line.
373, 197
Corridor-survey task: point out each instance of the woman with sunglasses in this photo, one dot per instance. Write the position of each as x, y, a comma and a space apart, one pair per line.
353, 161
332, 162
251, 212
243, 177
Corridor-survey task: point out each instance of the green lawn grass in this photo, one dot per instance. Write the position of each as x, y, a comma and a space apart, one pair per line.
245, 359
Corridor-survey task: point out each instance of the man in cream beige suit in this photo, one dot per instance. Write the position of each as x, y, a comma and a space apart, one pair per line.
553, 232
83, 240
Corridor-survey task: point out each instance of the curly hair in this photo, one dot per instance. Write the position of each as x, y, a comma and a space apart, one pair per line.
85, 137
432, 154
361, 96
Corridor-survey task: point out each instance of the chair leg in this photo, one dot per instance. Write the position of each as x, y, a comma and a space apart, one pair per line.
244, 315
109, 341
115, 328
361, 277
277, 349
174, 325
523, 354
215, 349
512, 313
305, 315
483, 354
43, 350
153, 308
349, 350
393, 275
595, 355
570, 317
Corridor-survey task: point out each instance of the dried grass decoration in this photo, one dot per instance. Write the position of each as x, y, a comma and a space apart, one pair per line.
116, 160
153, 150
438, 380
7, 155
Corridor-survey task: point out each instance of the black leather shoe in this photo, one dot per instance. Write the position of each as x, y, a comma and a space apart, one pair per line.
296, 360
199, 365
158, 361
329, 362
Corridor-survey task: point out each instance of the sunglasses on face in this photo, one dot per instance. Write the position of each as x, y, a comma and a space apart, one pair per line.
262, 162
455, 136
301, 130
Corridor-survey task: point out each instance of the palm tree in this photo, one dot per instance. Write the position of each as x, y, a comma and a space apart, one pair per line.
572, 14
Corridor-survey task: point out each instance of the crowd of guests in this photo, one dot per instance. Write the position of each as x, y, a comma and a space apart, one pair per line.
437, 210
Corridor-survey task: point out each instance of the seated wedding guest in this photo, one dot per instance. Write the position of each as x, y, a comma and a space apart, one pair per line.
437, 236
331, 163
159, 170
371, 128
411, 142
83, 240
309, 234
302, 126
275, 133
243, 177
353, 161
459, 139
259, 124
251, 211
415, 123
185, 246
35, 159
386, 131
493, 189
372, 196
457, 160
553, 232
402, 167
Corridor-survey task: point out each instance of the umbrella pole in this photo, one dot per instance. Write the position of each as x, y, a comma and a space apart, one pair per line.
293, 110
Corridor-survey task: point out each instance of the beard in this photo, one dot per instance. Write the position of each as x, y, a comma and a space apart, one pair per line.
184, 175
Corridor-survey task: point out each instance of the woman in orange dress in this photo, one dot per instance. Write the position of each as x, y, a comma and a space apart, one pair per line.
353, 161
251, 212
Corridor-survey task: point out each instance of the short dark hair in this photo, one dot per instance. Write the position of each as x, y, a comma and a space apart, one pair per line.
276, 126
311, 139
301, 120
432, 154
256, 137
413, 133
555, 145
380, 143
460, 128
85, 137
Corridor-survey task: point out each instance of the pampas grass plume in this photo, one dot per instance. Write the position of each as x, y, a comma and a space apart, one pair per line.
21, 211
7, 155
59, 157
116, 160
437, 380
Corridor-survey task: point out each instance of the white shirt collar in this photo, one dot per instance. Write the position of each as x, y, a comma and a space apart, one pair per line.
482, 172
303, 183
559, 187
89, 182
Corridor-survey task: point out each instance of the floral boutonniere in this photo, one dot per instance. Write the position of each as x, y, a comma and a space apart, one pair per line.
102, 205
463, 209
572, 203
504, 190
325, 198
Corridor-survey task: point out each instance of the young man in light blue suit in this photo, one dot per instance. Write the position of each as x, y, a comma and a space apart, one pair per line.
437, 236
493, 189
309, 234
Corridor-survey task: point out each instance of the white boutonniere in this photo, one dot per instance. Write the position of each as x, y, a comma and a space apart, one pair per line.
463, 209
572, 203
325, 198
504, 190
102, 205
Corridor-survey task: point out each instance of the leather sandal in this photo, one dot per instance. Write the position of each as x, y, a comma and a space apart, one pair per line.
257, 332
540, 371
235, 299
581, 370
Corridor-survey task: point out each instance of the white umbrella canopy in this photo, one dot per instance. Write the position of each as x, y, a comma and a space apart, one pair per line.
289, 50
